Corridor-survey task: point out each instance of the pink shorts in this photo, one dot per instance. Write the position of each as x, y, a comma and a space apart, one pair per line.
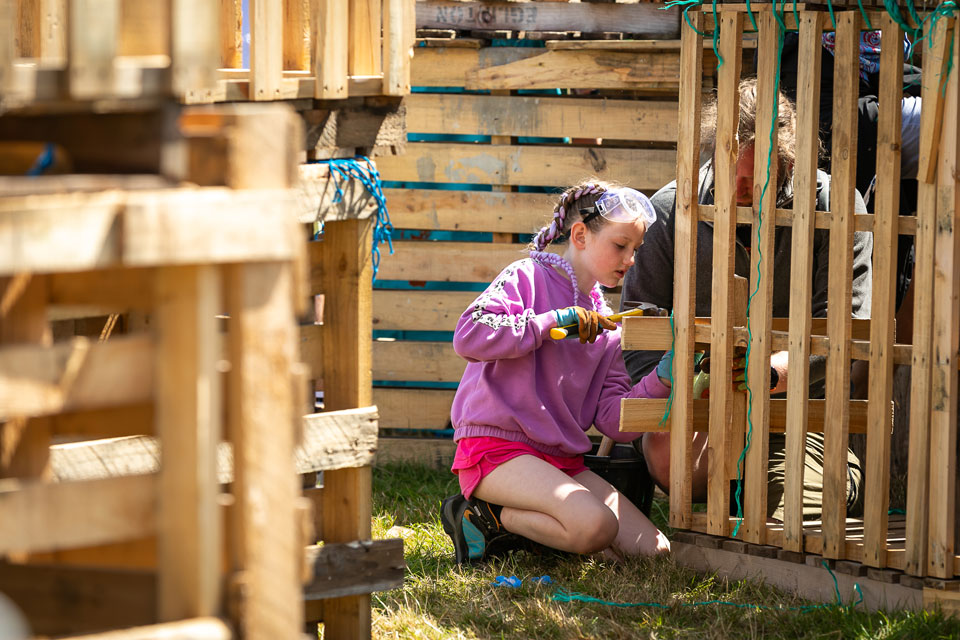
476, 457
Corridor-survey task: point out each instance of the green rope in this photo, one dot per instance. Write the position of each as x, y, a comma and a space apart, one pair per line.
750, 15
866, 18
687, 5
716, 36
833, 18
673, 338
562, 595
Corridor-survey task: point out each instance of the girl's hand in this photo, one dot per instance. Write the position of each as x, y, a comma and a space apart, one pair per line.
589, 323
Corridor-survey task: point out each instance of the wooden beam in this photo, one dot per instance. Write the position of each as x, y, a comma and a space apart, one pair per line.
45, 517
193, 629
266, 49
644, 169
354, 568
330, 23
483, 211
405, 408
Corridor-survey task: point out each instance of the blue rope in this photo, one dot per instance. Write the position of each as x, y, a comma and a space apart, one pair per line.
44, 161
363, 170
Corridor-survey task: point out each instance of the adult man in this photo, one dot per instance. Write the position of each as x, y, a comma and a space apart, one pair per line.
650, 280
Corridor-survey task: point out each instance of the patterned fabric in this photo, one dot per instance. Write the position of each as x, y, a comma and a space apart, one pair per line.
869, 50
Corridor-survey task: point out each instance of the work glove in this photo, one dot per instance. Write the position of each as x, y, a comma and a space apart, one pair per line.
739, 371
665, 373
589, 323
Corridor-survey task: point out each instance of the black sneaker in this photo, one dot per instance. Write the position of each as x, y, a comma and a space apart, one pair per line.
475, 529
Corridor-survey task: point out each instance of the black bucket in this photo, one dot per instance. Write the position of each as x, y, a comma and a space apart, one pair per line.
626, 470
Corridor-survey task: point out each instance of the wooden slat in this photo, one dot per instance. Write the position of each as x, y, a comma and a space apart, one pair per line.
944, 341
546, 166
346, 508
801, 262
320, 198
918, 469
684, 275
188, 422
364, 37
640, 18
75, 375
934, 80
296, 34
193, 629
398, 37
761, 284
485, 211
413, 408
144, 28
419, 310
648, 121
92, 43
840, 282
112, 422
45, 517
262, 535
449, 66
416, 361
822, 219
724, 239
353, 568
8, 25
449, 261
266, 49
437, 453
877, 474
231, 33
195, 46
119, 289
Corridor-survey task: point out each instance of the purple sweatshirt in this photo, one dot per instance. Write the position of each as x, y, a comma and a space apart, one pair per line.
520, 385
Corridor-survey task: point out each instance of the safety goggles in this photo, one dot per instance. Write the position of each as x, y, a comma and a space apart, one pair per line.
621, 205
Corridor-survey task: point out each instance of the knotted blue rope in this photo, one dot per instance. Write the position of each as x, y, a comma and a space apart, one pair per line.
363, 170
43, 162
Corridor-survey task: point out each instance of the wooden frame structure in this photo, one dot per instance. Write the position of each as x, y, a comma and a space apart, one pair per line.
917, 550
83, 50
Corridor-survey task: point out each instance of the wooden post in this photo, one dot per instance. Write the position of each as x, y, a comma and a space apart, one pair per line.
839, 288
685, 274
347, 284
262, 341
944, 341
188, 414
364, 51
724, 241
801, 290
328, 28
885, 227
398, 38
94, 29
761, 277
919, 453
266, 49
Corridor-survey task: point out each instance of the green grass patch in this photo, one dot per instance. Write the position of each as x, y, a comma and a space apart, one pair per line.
441, 600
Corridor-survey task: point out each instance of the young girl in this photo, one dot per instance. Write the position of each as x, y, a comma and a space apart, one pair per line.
524, 404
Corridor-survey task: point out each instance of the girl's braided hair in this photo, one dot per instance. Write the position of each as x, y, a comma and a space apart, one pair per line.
565, 213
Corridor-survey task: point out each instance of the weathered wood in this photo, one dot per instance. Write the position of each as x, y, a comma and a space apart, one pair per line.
328, 27
805, 182
93, 27
840, 282
364, 38
435, 453
404, 408
449, 261
74, 375
643, 18
354, 568
527, 165
318, 200
649, 121
193, 629
266, 49
409, 360
468, 210
398, 39
296, 34
44, 517
419, 310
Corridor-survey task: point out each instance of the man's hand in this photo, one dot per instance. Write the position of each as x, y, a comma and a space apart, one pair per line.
589, 323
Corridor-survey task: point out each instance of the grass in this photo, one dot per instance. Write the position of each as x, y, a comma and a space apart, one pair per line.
441, 600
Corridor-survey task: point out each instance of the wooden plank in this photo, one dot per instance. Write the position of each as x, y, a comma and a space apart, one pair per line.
188, 422
296, 34
644, 414
449, 261
724, 239
266, 49
262, 530
59, 600
761, 283
919, 445
883, 307
405, 408
364, 38
112, 422
419, 361
822, 219
74, 375
144, 28
45, 517
196, 46
120, 289
193, 629
344, 439
346, 508
354, 568
485, 211
840, 283
449, 66
92, 40
231, 33
805, 182
933, 87
436, 453
419, 310
579, 69
653, 121
398, 40
643, 18
644, 169
812, 583
8, 49
684, 274
329, 48
945, 342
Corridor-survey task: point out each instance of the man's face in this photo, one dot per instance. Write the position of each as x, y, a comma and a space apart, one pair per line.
745, 176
